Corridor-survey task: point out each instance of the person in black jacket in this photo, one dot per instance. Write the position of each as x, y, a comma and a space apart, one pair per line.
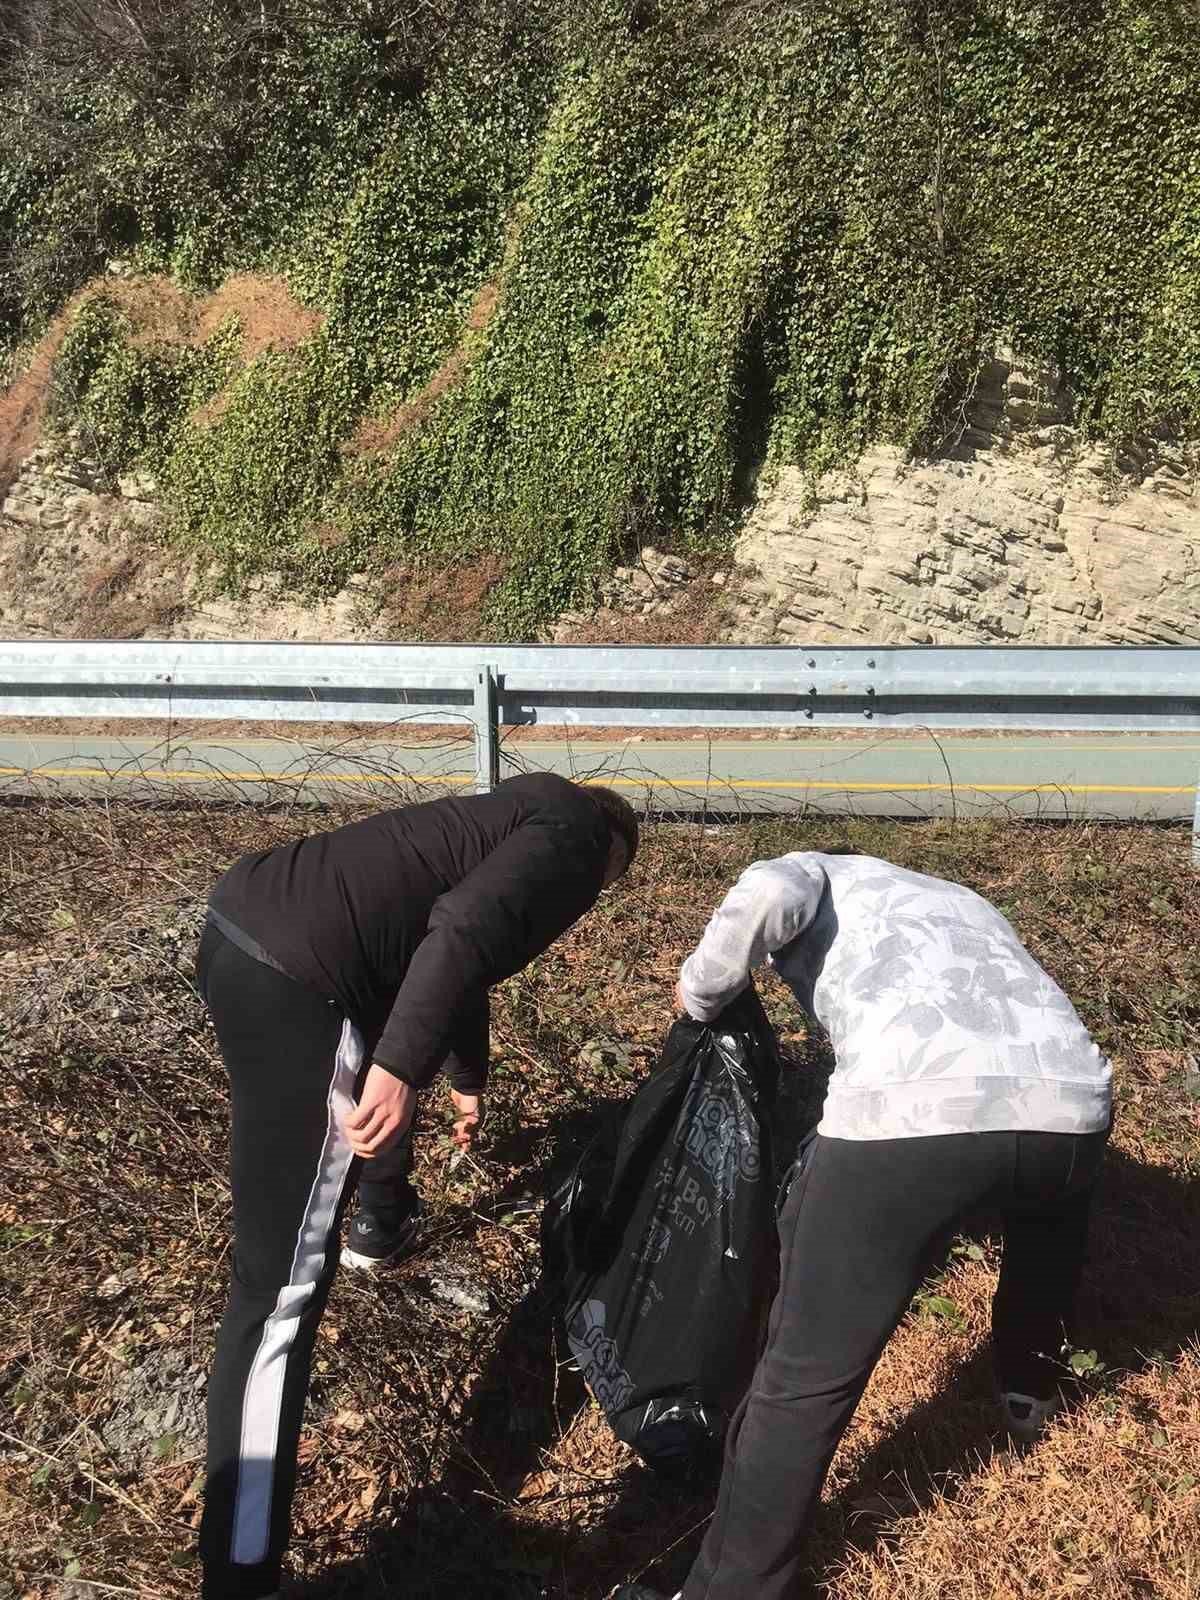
342, 972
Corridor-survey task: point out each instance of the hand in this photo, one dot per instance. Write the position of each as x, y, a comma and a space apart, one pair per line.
469, 1119
679, 1001
383, 1114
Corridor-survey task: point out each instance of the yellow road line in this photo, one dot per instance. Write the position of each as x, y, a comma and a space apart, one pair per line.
184, 775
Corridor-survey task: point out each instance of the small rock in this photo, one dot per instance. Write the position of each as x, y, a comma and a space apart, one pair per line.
20, 510
157, 1411
137, 486
461, 1293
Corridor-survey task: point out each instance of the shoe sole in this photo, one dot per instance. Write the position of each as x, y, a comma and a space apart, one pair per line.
359, 1263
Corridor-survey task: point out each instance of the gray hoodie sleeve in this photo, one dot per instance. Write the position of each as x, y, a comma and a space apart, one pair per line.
770, 904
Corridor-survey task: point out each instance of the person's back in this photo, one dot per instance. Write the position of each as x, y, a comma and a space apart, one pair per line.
446, 897
940, 1019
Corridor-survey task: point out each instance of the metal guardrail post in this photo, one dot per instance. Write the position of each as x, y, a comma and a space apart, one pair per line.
487, 731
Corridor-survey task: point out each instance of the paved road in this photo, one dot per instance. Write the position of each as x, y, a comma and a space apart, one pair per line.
1144, 776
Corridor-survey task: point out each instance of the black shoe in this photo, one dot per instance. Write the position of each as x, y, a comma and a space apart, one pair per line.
373, 1242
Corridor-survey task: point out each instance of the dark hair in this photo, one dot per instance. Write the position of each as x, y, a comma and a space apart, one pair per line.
620, 816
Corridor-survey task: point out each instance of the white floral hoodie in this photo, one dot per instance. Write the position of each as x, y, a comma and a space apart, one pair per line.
940, 1019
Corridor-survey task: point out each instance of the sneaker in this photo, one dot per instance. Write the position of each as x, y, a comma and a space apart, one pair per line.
372, 1243
1024, 1417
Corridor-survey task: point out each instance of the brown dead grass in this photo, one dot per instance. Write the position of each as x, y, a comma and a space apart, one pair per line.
443, 606
108, 610
159, 312
271, 317
450, 1457
1108, 1506
700, 615
375, 434
23, 406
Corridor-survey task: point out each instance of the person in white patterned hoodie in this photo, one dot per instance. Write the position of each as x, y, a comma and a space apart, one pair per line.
963, 1077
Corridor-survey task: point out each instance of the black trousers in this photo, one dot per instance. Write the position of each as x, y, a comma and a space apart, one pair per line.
294, 1063
862, 1224
384, 1186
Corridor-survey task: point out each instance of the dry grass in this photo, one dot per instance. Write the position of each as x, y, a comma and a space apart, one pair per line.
700, 615
23, 404
108, 610
440, 605
159, 312
450, 1454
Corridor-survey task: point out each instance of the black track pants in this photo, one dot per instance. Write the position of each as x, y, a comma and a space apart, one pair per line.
383, 1183
293, 1062
862, 1224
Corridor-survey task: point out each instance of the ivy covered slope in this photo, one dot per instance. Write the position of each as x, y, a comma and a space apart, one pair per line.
579, 275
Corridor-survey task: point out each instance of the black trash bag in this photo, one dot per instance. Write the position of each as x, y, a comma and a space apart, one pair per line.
660, 1240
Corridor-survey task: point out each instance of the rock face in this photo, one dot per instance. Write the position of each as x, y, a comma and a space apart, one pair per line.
1022, 536
660, 585
83, 558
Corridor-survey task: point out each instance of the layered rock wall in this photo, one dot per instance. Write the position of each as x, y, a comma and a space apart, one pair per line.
1021, 535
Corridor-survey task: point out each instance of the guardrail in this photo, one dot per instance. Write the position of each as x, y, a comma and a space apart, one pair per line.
1124, 688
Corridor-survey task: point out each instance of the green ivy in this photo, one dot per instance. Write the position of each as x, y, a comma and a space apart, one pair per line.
130, 399
719, 238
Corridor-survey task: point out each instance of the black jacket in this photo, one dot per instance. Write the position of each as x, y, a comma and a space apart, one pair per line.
406, 919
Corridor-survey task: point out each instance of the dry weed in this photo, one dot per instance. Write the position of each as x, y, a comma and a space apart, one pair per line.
446, 604
451, 1452
159, 312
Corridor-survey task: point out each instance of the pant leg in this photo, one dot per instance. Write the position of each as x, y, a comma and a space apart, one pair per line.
1045, 1217
859, 1230
292, 1061
384, 1186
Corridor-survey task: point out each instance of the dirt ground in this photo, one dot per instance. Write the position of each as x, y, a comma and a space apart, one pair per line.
448, 1450
347, 734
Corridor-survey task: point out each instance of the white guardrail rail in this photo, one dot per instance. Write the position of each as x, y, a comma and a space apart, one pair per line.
1125, 688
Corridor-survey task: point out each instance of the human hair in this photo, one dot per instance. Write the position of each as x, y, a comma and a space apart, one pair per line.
620, 816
